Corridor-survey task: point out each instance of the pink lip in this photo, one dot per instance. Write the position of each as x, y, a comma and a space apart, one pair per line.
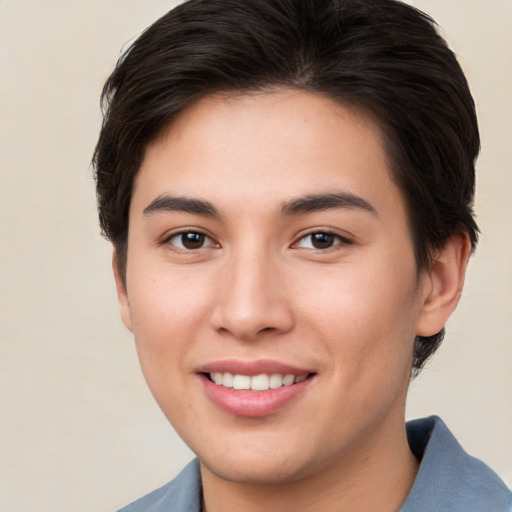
252, 404
251, 368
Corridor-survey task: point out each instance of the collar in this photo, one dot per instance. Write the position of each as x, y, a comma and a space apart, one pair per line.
448, 478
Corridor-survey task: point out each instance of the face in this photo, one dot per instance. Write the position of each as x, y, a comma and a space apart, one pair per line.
269, 249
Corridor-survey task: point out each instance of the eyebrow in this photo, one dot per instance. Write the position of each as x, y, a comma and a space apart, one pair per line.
319, 202
301, 205
167, 203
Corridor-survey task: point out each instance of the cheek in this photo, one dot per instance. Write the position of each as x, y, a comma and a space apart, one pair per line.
164, 328
165, 302
166, 315
367, 314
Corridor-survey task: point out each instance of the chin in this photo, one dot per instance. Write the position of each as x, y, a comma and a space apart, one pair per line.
260, 472
267, 460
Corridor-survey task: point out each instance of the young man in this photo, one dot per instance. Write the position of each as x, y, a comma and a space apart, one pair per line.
288, 188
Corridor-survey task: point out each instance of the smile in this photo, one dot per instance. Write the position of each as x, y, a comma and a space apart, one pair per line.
256, 394
261, 382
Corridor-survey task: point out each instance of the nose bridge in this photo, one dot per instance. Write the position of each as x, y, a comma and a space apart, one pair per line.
252, 296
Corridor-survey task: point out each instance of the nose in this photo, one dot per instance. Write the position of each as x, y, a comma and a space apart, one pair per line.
251, 299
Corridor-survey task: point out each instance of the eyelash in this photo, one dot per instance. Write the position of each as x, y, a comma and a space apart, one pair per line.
332, 239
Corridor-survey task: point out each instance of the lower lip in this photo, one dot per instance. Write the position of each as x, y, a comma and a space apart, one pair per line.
253, 404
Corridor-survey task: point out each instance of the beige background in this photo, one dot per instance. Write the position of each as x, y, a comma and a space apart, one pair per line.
79, 431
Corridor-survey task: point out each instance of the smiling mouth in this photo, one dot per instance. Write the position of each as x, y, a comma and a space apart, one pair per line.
261, 382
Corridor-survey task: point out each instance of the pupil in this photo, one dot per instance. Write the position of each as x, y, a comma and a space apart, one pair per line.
322, 240
192, 240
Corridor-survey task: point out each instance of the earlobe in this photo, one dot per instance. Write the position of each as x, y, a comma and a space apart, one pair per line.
445, 283
122, 295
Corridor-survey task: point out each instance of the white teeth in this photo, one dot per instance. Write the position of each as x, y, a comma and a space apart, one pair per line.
241, 382
260, 382
288, 380
227, 380
275, 381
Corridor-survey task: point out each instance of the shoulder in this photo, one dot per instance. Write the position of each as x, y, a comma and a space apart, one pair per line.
182, 494
449, 478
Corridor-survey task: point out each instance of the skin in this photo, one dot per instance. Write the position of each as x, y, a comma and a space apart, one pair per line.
256, 287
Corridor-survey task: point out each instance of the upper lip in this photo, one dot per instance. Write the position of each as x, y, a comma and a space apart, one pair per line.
251, 368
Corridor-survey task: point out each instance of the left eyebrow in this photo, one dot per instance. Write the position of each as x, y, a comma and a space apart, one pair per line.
319, 202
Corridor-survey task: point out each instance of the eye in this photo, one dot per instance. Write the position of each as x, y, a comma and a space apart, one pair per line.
190, 240
321, 240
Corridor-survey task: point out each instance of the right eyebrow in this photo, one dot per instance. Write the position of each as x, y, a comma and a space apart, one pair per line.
168, 203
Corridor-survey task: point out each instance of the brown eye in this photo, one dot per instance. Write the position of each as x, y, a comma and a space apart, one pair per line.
321, 240
190, 240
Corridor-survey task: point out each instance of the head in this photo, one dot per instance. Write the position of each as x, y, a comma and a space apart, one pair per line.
381, 57
288, 187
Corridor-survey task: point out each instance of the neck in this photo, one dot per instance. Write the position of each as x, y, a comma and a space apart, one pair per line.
376, 476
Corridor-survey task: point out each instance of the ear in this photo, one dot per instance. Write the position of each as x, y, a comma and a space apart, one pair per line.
122, 296
444, 284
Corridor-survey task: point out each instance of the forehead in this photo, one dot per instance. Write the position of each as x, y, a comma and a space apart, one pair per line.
266, 147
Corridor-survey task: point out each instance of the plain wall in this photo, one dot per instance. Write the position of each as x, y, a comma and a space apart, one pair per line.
79, 430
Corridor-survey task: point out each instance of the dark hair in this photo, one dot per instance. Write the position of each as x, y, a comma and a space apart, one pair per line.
382, 56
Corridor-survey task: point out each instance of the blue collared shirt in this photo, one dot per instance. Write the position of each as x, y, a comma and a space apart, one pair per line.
448, 480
